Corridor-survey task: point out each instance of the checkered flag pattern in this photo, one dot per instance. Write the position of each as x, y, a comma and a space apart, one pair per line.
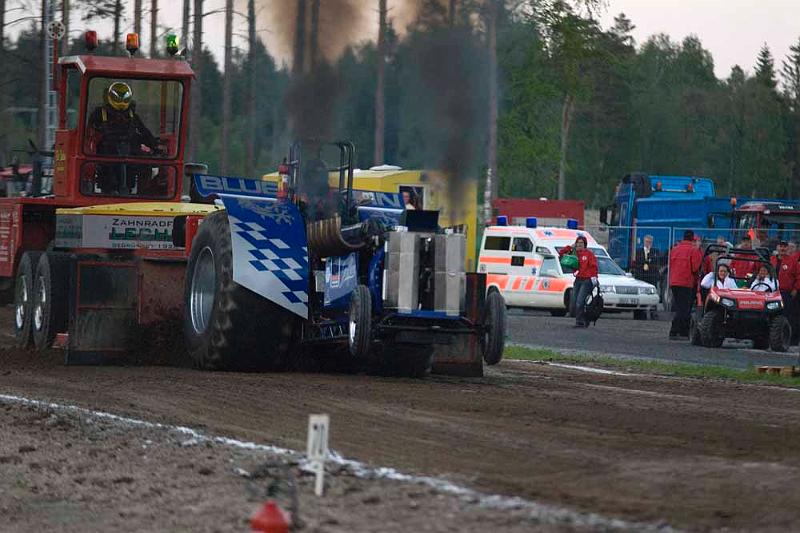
268, 253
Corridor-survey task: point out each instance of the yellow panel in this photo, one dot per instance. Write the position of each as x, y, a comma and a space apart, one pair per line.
143, 209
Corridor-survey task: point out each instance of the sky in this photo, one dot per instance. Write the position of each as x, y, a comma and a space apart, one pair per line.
732, 30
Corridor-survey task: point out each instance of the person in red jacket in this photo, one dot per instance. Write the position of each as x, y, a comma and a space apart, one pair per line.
744, 268
685, 260
585, 278
788, 272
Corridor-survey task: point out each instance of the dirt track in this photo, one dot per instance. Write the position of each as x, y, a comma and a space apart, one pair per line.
690, 453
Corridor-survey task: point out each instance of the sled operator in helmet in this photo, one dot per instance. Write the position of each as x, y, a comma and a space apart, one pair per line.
115, 129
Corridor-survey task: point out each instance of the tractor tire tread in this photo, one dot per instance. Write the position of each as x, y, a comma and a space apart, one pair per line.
237, 337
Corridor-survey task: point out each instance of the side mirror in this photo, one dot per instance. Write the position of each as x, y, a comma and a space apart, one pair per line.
550, 273
604, 215
628, 275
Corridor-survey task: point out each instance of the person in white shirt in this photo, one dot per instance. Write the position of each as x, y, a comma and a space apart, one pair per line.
724, 280
763, 282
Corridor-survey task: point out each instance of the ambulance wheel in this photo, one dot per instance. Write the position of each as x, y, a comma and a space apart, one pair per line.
23, 299
359, 337
569, 304
226, 326
50, 299
640, 315
494, 322
558, 312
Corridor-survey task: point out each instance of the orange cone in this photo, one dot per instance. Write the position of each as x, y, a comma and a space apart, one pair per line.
270, 519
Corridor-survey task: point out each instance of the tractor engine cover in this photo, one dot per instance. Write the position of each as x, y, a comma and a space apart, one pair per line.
415, 256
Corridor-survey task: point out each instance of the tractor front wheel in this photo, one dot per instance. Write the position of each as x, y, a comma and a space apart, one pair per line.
50, 299
23, 299
360, 323
494, 322
227, 326
780, 334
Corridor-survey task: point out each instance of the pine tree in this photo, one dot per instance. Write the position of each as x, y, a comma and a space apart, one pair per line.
622, 29
765, 68
791, 77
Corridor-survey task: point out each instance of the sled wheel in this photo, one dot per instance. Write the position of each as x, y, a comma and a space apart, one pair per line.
360, 323
494, 322
227, 326
50, 299
23, 299
780, 334
709, 327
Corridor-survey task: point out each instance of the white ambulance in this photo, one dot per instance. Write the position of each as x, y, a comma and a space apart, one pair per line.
522, 262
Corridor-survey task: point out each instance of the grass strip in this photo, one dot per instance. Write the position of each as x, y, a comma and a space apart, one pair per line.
686, 370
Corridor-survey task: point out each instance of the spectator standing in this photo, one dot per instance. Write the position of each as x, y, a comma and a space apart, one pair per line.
684, 264
585, 278
787, 267
744, 268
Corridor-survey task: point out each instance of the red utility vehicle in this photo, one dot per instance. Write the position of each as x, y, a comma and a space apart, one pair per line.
754, 311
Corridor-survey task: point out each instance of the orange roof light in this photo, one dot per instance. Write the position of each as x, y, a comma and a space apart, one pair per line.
132, 43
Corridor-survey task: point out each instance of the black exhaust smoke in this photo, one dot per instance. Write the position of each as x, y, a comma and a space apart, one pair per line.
451, 72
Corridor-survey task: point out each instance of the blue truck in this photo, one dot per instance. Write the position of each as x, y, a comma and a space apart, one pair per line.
665, 206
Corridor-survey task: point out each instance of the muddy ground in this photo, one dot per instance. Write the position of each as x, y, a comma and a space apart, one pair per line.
692, 454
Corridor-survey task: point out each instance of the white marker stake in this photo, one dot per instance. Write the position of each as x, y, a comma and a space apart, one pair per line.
317, 448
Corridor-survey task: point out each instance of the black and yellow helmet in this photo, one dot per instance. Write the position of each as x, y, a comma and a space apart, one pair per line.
119, 96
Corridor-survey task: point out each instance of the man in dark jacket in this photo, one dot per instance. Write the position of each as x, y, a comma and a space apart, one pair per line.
648, 261
684, 264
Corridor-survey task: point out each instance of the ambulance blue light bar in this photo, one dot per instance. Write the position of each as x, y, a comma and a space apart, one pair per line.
531, 222
572, 223
502, 221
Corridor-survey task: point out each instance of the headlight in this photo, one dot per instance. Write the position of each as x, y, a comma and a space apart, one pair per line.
727, 302
647, 290
607, 288
772, 306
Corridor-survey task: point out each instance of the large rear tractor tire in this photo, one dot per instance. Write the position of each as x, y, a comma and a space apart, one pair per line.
494, 320
780, 334
226, 326
359, 338
50, 299
710, 327
23, 299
